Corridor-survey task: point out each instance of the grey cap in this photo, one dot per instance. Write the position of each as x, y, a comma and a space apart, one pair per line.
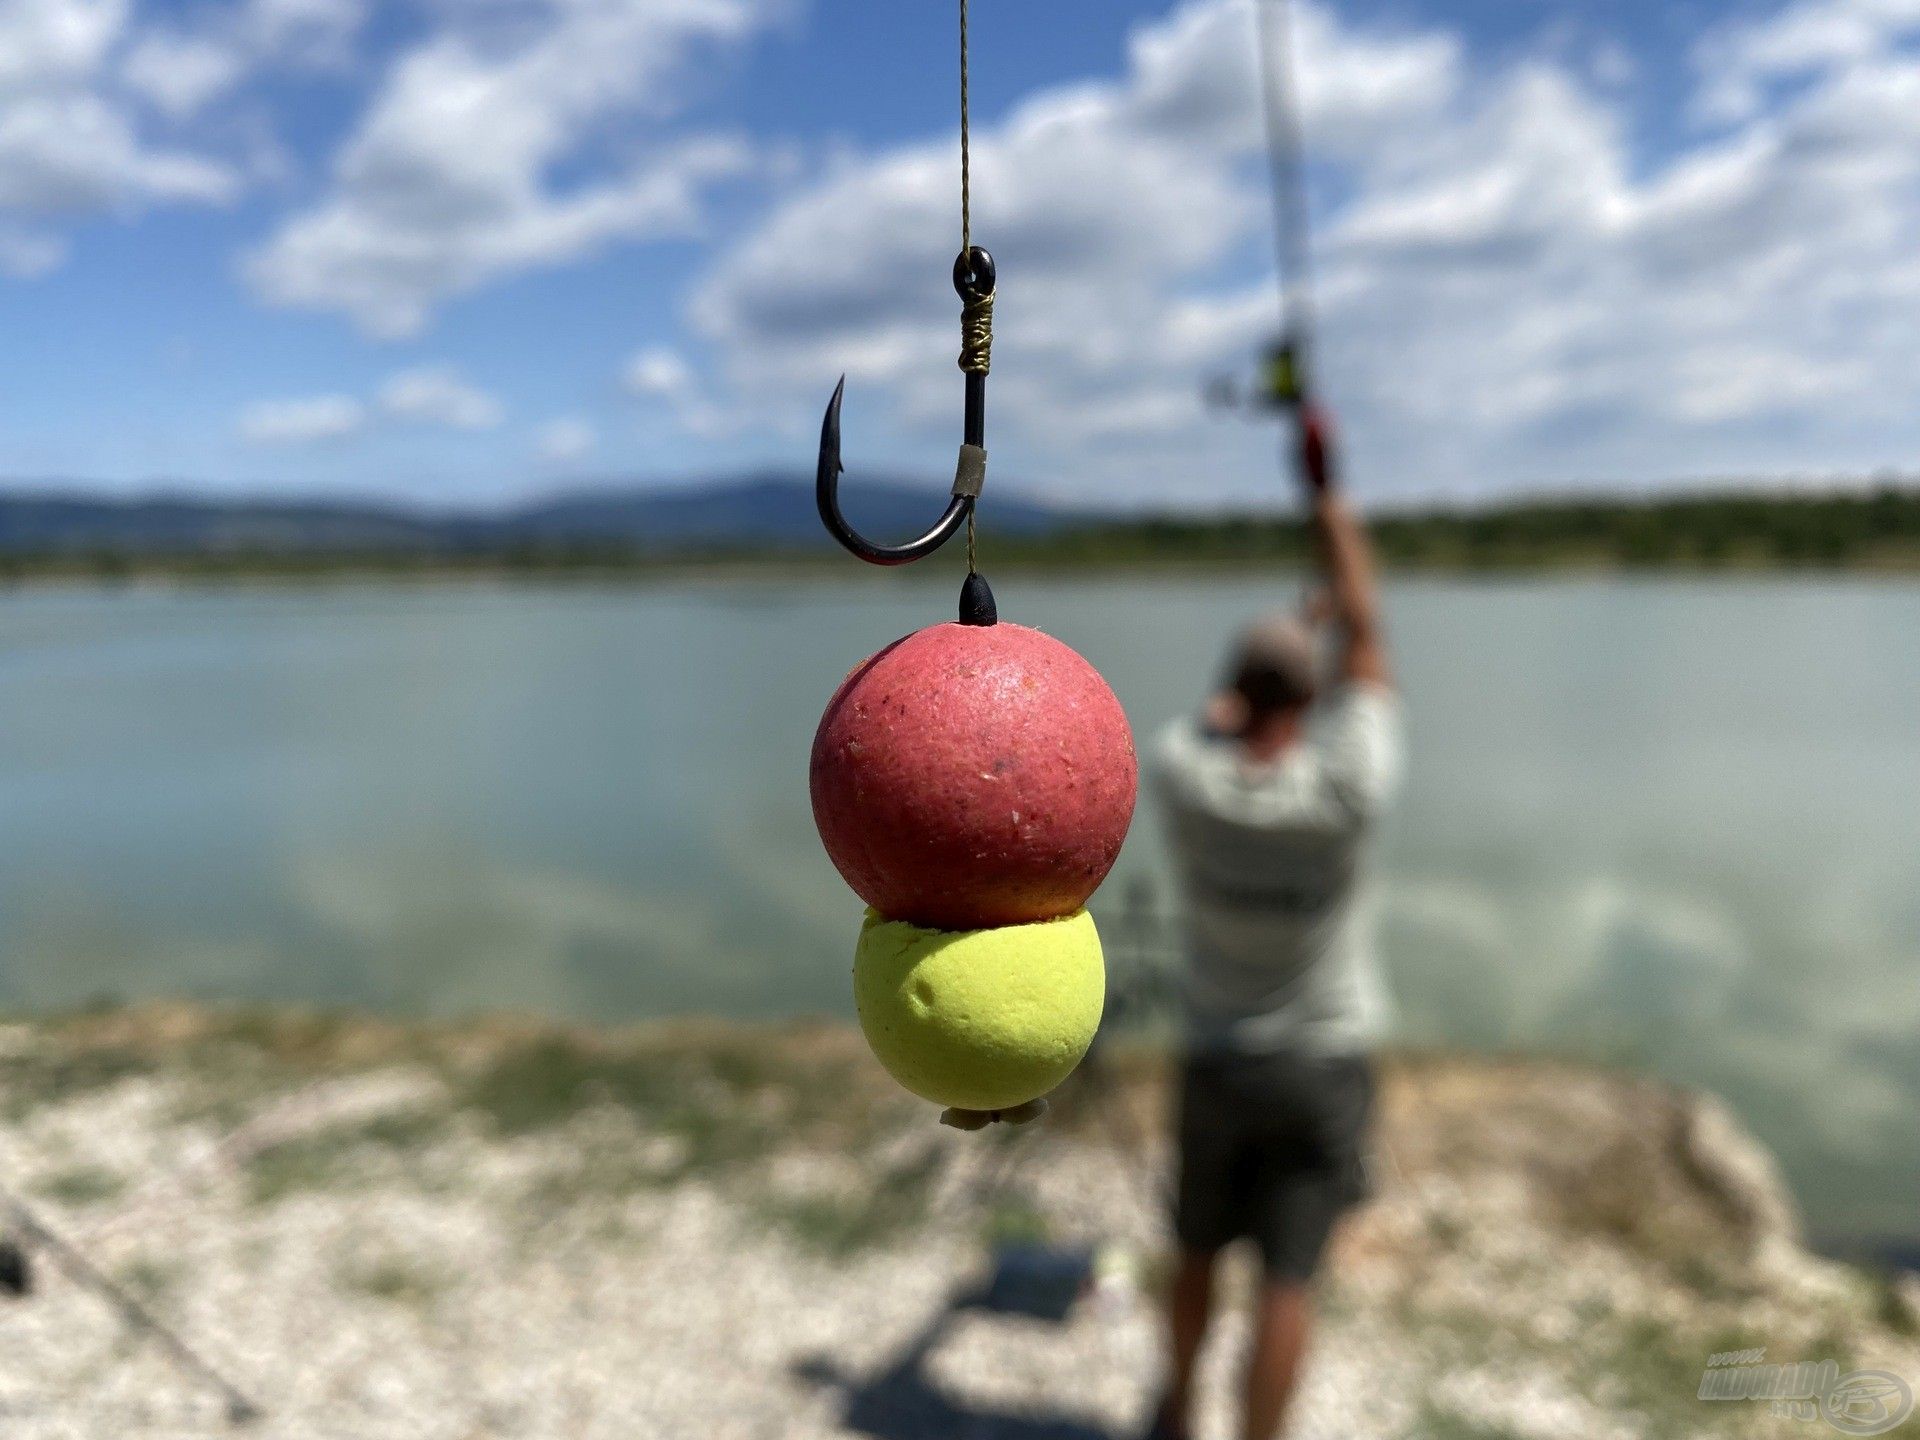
1274, 666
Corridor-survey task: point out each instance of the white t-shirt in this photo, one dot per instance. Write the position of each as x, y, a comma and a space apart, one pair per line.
1268, 855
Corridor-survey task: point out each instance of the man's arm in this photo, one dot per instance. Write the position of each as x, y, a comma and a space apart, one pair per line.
1347, 556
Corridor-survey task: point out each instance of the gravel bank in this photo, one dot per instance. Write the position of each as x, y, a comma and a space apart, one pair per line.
499, 1230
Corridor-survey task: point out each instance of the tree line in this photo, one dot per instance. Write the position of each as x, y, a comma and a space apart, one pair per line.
1877, 529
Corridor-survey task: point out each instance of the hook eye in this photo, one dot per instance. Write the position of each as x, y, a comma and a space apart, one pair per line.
973, 273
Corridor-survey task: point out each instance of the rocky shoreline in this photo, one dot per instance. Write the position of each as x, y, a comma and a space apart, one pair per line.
503, 1228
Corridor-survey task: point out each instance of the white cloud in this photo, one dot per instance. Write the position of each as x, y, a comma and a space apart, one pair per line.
182, 69
432, 395
424, 395
70, 144
181, 73
566, 440
25, 254
310, 421
55, 42
1740, 60
315, 32
1509, 294
658, 372
452, 177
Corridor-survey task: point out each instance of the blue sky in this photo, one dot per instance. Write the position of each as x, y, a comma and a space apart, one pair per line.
464, 251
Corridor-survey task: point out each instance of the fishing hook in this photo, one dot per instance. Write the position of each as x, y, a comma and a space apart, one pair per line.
973, 280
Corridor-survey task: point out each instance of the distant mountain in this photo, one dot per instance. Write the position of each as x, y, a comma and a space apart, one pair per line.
64, 524
765, 512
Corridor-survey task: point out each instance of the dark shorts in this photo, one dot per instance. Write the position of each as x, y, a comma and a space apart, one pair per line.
1272, 1150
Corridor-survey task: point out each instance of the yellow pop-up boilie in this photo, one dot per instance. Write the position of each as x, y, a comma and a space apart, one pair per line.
979, 1020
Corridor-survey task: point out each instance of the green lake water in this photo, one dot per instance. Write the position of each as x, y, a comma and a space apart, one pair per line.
1672, 824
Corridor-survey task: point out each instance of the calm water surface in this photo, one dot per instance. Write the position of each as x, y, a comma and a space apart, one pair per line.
1666, 823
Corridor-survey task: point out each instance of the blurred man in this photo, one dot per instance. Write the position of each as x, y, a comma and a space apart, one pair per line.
1269, 797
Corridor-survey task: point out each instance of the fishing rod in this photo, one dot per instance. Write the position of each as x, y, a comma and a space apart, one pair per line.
1285, 382
31, 1230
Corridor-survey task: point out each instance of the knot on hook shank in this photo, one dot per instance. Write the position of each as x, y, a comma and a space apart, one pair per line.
976, 333
974, 278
